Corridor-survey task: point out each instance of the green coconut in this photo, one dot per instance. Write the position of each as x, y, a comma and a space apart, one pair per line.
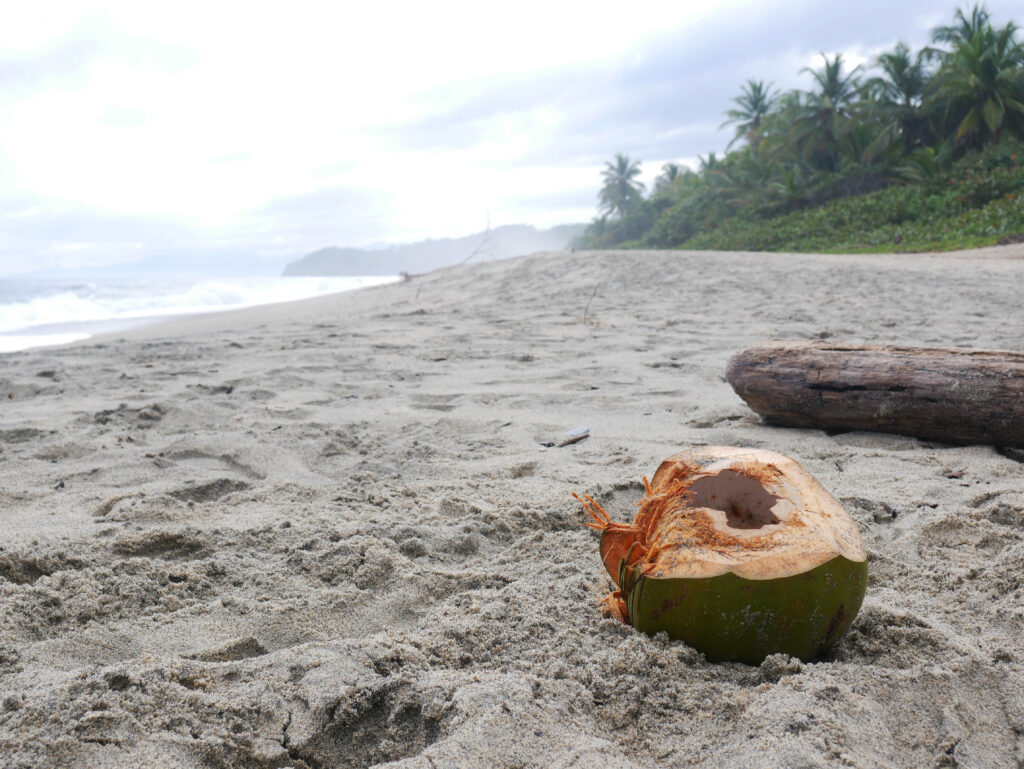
740, 553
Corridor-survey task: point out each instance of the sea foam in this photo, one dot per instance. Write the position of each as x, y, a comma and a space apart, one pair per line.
38, 312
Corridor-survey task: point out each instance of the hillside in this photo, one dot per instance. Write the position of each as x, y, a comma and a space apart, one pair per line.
914, 150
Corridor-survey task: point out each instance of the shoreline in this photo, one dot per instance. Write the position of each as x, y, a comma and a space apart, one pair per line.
1009, 252
330, 533
70, 330
241, 317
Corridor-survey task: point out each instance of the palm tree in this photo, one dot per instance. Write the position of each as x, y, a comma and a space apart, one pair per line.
620, 189
711, 170
963, 28
742, 177
775, 135
836, 89
818, 129
981, 84
904, 76
897, 97
754, 102
923, 164
670, 172
789, 188
710, 165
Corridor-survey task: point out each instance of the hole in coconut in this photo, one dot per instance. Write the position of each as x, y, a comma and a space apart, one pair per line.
745, 502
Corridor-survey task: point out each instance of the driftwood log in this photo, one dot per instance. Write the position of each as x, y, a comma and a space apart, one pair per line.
953, 396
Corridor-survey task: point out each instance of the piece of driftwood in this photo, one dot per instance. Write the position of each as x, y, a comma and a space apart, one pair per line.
948, 395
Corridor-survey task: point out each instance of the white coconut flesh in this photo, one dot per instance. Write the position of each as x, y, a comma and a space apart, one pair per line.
754, 513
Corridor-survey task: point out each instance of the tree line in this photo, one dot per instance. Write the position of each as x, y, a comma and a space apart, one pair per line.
911, 115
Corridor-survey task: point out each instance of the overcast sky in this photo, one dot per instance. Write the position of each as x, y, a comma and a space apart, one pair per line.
198, 133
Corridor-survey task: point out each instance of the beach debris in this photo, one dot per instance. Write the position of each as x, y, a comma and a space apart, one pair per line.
586, 319
574, 435
887, 514
950, 395
738, 552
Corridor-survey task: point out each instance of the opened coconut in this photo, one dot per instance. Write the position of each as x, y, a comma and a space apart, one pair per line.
738, 552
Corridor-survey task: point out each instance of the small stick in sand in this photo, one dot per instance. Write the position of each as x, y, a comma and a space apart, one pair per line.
586, 309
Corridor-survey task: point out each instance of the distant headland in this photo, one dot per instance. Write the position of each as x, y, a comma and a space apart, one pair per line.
498, 243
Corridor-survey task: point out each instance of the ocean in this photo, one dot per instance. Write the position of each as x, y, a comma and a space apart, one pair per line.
36, 313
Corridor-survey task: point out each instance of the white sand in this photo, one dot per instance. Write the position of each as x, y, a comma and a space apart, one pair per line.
327, 534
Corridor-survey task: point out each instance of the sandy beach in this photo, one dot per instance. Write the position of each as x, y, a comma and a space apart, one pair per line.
336, 533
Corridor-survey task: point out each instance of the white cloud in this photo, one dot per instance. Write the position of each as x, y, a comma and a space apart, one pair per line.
286, 89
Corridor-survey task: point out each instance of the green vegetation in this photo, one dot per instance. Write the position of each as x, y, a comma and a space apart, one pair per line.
621, 191
923, 155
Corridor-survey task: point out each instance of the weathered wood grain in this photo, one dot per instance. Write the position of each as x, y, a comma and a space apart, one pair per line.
950, 395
